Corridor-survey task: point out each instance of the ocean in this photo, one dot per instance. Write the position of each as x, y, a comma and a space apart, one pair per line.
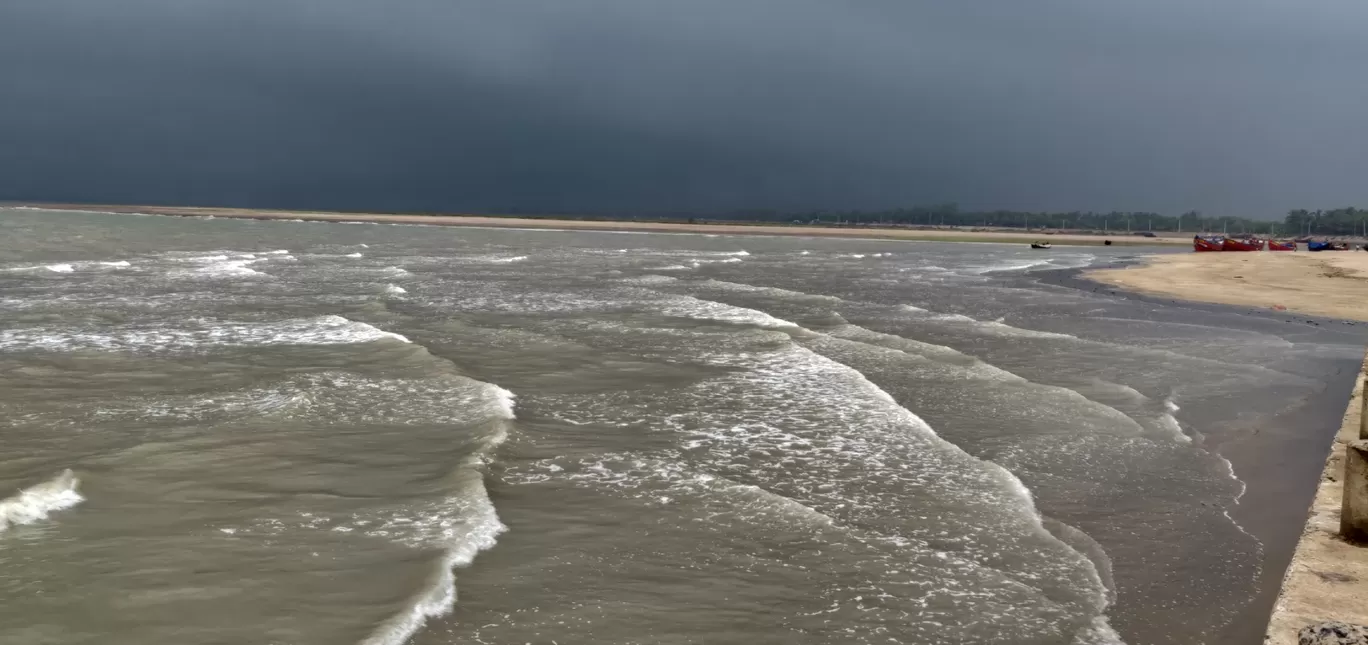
292, 433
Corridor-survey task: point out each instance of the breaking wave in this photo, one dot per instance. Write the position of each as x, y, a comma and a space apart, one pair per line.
324, 330
34, 503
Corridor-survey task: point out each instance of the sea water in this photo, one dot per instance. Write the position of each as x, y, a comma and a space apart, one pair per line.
227, 431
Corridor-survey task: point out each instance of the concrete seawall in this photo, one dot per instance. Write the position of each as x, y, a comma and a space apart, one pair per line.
1328, 577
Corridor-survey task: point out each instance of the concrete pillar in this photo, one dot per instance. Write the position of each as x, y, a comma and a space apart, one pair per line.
1363, 413
1354, 513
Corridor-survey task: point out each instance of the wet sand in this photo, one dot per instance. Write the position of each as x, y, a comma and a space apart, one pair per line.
1327, 579
1119, 238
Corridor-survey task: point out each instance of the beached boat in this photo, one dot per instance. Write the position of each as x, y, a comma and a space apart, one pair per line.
1228, 244
1327, 246
1202, 245
1040, 245
1274, 245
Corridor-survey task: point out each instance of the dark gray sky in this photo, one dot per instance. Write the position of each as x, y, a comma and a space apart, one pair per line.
1239, 107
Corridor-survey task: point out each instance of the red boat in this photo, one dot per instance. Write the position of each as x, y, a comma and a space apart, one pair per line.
1241, 245
1201, 244
1281, 246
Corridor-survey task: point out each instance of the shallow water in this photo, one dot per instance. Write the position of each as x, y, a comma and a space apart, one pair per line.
304, 433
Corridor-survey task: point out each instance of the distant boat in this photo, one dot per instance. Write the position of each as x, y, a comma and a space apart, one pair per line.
1228, 244
1040, 245
1203, 245
1274, 245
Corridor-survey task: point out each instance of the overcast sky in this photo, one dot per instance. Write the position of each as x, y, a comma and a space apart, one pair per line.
1239, 107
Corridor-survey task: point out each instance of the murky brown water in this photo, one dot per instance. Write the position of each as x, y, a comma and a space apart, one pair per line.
310, 434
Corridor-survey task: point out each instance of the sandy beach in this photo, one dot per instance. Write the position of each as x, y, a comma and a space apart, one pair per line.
1331, 284
1327, 578
1118, 238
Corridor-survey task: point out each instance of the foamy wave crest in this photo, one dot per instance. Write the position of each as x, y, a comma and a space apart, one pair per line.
220, 266
352, 255
690, 307
1009, 266
35, 502
992, 327
772, 291
325, 330
438, 596
496, 259
71, 268
465, 524
395, 290
1098, 632
650, 279
1169, 422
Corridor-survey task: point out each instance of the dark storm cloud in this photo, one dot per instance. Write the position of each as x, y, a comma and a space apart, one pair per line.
1230, 106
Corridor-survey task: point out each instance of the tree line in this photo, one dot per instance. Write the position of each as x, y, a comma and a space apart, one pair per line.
1297, 223
1340, 221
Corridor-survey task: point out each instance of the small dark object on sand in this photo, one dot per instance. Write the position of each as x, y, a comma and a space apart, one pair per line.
1106, 242
1333, 633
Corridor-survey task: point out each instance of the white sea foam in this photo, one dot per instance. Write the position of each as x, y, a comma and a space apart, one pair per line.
494, 259
697, 309
650, 279
1169, 422
324, 330
34, 503
816, 432
1013, 265
218, 265
353, 255
991, 327
772, 291
395, 290
116, 263
60, 268
438, 597
465, 524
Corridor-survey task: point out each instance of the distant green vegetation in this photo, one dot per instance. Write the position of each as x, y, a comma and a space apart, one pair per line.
1340, 221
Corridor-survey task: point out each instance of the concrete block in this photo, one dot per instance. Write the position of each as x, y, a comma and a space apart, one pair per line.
1333, 633
1354, 513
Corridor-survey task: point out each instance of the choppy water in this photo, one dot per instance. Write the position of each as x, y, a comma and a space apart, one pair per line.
224, 431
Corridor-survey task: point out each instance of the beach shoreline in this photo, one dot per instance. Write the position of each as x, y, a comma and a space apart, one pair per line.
1004, 236
1323, 578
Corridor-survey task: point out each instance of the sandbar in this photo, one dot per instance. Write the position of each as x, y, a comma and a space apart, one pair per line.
1333, 284
945, 234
